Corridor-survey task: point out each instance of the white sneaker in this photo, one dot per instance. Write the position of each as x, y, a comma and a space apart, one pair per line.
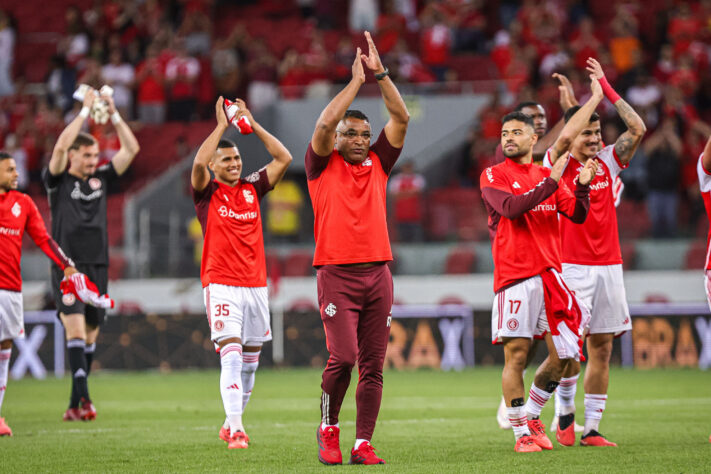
554, 426
502, 416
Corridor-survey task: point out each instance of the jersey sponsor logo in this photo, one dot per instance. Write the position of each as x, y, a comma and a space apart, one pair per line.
68, 299
330, 310
512, 324
94, 183
599, 186
489, 175
515, 185
367, 162
10, 231
248, 196
219, 325
224, 211
16, 209
78, 195
544, 207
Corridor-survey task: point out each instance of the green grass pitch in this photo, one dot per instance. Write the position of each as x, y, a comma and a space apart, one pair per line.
430, 422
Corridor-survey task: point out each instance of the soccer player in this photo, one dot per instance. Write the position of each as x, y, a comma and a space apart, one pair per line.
592, 261
347, 178
18, 214
77, 187
523, 201
233, 270
703, 169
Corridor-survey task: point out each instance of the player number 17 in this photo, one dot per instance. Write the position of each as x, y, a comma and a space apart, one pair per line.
515, 303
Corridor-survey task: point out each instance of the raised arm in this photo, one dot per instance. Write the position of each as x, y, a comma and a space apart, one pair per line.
129, 145
200, 175
396, 128
627, 143
577, 122
60, 155
281, 158
323, 139
567, 100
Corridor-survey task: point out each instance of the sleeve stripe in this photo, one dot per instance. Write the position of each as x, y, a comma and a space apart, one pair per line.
617, 159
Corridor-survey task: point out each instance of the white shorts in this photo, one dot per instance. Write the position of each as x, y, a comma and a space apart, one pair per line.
519, 311
601, 289
12, 321
237, 311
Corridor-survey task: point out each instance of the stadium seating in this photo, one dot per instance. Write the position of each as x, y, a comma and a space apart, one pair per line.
298, 264
461, 260
632, 219
629, 254
695, 256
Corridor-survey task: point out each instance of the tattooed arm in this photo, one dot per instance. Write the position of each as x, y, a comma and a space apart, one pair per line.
627, 143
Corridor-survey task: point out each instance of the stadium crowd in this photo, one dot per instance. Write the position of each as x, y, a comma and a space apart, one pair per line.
167, 60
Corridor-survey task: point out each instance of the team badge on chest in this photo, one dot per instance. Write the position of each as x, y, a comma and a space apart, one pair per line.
16, 209
94, 183
248, 196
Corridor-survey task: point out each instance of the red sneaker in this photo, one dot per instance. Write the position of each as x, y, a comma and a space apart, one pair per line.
225, 435
329, 447
4, 429
87, 410
72, 414
526, 444
238, 441
365, 454
566, 436
595, 439
538, 433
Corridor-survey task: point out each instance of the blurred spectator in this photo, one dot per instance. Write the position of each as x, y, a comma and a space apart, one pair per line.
645, 96
391, 27
663, 149
436, 41
61, 83
584, 43
196, 30
406, 65
75, 43
120, 76
284, 206
20, 156
407, 190
362, 15
181, 74
226, 63
624, 43
556, 59
150, 88
7, 53
262, 70
470, 26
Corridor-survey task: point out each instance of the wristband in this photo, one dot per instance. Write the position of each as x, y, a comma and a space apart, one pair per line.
115, 118
84, 113
609, 92
382, 75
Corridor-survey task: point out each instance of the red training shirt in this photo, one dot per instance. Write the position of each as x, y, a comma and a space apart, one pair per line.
349, 204
705, 188
233, 251
523, 203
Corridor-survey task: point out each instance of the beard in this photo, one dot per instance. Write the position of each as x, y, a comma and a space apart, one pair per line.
517, 152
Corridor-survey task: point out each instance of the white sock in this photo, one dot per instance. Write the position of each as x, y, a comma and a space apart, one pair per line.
324, 426
226, 424
231, 384
537, 398
594, 406
4, 367
359, 442
250, 362
519, 423
565, 396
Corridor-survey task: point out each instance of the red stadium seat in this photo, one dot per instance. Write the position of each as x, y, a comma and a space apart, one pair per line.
633, 220
629, 254
461, 260
695, 256
298, 264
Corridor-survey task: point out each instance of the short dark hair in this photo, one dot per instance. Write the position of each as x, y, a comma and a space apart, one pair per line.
225, 143
571, 111
356, 114
4, 155
83, 139
527, 103
519, 116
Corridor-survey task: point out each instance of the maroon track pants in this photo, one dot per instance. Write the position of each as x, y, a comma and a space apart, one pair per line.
355, 305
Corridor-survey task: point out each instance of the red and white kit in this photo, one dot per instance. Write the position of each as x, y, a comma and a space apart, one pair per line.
705, 187
233, 270
592, 260
18, 214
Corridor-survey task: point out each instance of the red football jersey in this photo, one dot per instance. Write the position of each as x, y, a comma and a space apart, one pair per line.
596, 241
349, 205
233, 251
18, 213
528, 244
705, 187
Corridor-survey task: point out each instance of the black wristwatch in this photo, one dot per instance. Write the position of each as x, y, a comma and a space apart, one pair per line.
383, 74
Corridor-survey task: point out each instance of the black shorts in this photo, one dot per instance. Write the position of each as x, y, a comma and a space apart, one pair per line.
69, 304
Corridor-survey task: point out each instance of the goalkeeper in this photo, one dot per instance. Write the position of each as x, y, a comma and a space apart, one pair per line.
77, 189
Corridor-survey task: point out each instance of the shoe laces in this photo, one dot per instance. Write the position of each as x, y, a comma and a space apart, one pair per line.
367, 450
330, 438
537, 426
